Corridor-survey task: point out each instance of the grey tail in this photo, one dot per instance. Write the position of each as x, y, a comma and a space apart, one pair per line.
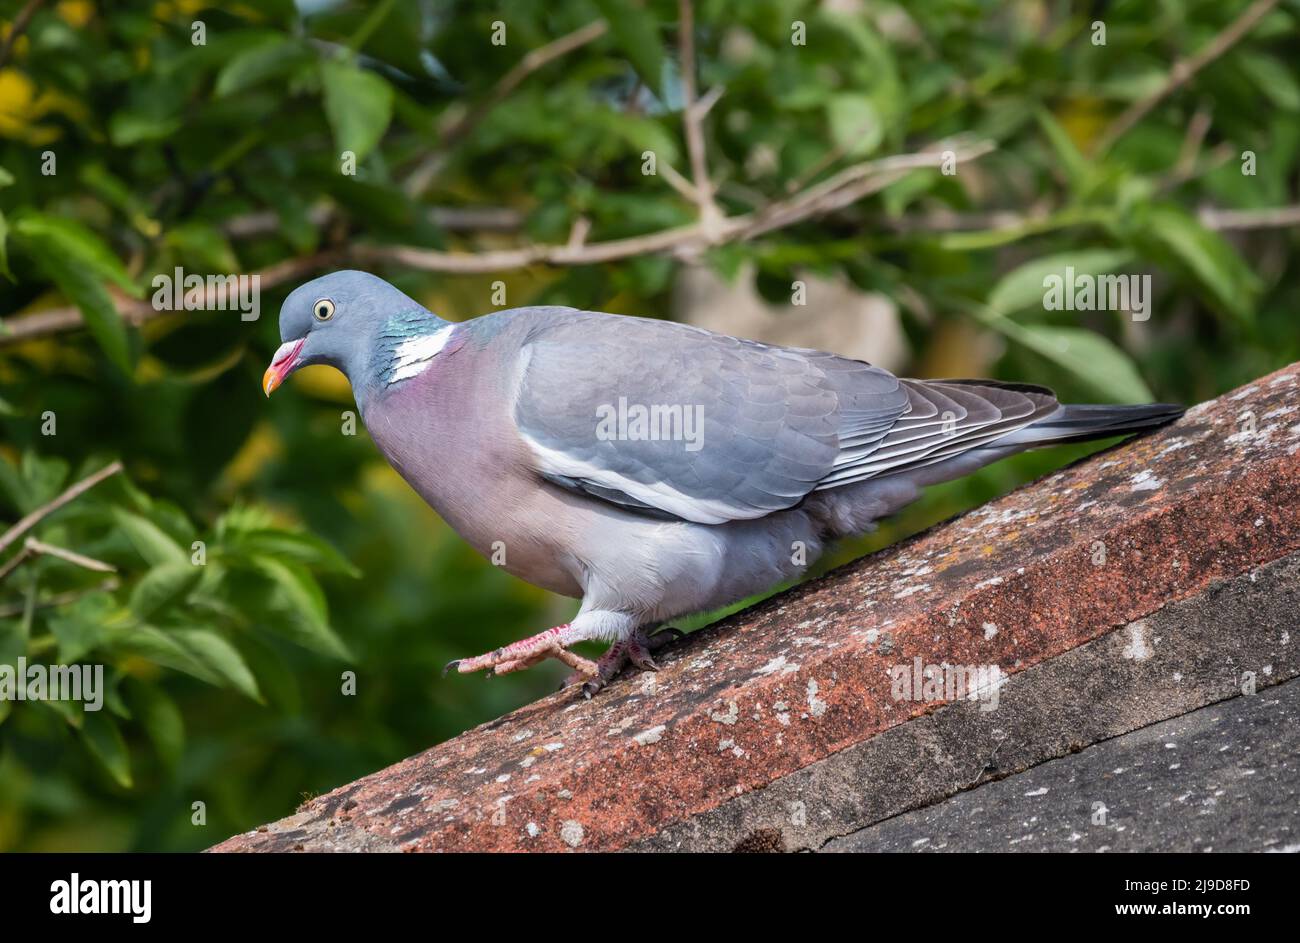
1081, 423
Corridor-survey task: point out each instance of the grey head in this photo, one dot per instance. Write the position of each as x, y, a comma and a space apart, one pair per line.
339, 319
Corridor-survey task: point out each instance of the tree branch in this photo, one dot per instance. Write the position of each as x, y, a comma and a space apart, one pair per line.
678, 182
33, 547
1275, 217
68, 556
19, 27
450, 218
693, 113
14, 562
840, 190
1184, 70
45, 510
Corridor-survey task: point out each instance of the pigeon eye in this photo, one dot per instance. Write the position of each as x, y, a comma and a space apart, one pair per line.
323, 310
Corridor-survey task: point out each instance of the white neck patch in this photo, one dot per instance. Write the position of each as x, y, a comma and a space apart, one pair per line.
413, 355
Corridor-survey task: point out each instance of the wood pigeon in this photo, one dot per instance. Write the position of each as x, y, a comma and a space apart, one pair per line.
649, 468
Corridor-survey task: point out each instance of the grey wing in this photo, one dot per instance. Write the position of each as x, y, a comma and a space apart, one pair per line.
679, 422
944, 418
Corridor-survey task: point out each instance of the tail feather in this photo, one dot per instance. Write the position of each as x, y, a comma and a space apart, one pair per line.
1084, 422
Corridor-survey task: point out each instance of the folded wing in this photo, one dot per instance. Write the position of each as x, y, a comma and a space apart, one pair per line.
681, 423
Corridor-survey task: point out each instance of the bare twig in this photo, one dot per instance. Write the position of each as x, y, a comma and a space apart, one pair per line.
578, 234
944, 221
678, 182
1277, 217
708, 100
425, 172
693, 113
14, 562
45, 510
854, 183
450, 218
1193, 140
846, 187
1184, 70
1272, 218
1216, 158
68, 556
33, 547
19, 26
831, 157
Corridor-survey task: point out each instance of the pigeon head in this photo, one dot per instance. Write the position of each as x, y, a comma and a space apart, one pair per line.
336, 320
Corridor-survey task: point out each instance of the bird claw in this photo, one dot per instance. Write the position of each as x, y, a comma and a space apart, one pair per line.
634, 650
669, 633
640, 658
524, 654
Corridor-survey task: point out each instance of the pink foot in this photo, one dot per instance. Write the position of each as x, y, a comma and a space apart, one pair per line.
527, 652
635, 650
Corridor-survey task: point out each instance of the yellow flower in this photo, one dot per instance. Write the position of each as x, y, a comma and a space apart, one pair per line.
1083, 118
76, 12
21, 107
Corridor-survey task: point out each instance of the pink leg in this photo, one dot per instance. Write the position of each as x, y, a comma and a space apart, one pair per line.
581, 666
551, 643
635, 650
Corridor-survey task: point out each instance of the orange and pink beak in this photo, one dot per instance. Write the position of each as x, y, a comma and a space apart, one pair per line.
284, 362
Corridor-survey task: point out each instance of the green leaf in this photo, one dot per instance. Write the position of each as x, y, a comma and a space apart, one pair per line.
71, 712
161, 719
275, 677
1005, 235
1274, 79
272, 55
358, 104
78, 262
1208, 257
1091, 357
1073, 162
14, 634
856, 127
163, 587
220, 657
378, 13
44, 477
301, 603
77, 635
71, 240
1023, 287
149, 539
636, 34
129, 128
161, 648
14, 489
203, 246
243, 518
102, 736
289, 545
84, 289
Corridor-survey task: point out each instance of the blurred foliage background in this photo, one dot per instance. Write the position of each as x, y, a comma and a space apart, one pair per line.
212, 137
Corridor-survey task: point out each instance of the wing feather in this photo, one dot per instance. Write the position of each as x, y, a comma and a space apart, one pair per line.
737, 429
767, 420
